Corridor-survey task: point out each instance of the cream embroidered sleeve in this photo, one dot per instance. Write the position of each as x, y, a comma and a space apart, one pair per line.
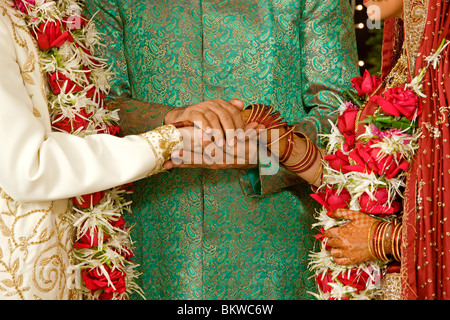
38, 165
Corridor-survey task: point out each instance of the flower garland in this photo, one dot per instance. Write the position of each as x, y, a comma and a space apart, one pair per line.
368, 176
77, 86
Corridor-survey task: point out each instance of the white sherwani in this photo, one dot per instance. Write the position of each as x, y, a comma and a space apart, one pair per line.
41, 169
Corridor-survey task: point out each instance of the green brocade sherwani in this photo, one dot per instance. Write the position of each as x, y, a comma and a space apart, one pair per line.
228, 234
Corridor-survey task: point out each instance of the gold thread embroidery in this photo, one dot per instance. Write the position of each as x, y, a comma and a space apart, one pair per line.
415, 16
162, 141
27, 68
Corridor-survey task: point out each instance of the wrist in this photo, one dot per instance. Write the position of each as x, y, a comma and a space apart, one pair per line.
163, 141
385, 240
307, 159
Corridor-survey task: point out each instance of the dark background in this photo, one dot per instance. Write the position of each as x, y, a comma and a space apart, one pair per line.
368, 40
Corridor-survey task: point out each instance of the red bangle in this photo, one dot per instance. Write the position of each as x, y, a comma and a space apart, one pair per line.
289, 147
308, 158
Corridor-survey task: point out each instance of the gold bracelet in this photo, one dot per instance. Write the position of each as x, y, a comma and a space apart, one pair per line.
376, 242
396, 242
268, 114
369, 238
380, 252
291, 129
382, 236
319, 171
381, 240
307, 160
308, 146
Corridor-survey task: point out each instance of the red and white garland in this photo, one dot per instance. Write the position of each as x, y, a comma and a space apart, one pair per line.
367, 176
78, 84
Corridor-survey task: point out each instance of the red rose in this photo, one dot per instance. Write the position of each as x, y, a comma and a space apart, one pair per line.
106, 296
22, 5
128, 187
70, 125
323, 281
399, 102
127, 254
380, 205
355, 278
95, 95
88, 200
338, 161
119, 223
366, 84
96, 280
368, 160
59, 82
331, 199
50, 34
346, 125
346, 121
112, 130
89, 239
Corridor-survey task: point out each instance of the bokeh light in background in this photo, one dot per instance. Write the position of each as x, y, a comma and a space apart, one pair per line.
369, 41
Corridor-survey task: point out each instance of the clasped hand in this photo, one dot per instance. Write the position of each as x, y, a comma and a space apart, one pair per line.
214, 136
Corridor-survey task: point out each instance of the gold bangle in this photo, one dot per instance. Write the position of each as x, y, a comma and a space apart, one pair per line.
378, 241
252, 109
308, 145
396, 242
282, 136
369, 238
268, 113
382, 236
319, 171
309, 156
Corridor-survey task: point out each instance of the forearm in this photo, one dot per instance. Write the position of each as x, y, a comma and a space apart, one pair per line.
138, 116
385, 240
310, 155
301, 159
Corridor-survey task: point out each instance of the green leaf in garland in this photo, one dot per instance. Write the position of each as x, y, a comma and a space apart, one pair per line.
384, 123
353, 97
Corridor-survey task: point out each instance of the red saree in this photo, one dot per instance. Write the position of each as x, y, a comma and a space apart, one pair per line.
425, 271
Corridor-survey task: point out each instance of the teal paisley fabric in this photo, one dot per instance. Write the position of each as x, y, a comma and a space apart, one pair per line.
205, 234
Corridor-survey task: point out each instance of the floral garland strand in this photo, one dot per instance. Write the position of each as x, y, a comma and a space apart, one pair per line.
77, 86
368, 176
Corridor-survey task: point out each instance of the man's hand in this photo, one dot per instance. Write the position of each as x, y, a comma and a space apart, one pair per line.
216, 115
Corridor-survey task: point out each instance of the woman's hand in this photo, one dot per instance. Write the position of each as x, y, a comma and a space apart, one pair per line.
200, 153
350, 242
